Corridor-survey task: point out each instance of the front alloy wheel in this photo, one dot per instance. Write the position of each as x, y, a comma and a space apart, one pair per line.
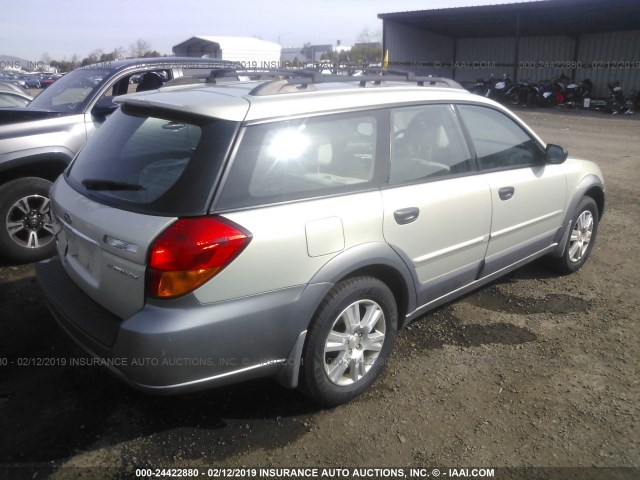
582, 236
349, 340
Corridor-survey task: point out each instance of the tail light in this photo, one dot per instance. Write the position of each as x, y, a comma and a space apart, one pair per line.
190, 252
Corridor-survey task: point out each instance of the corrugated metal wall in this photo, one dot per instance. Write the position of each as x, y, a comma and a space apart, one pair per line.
611, 56
602, 58
418, 50
483, 57
543, 58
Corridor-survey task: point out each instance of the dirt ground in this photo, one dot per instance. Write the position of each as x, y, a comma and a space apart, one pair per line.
535, 370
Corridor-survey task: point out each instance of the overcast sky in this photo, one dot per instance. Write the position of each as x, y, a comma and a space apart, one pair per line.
63, 28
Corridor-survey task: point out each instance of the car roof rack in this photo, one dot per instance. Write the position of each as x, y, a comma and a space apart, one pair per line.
217, 75
230, 74
293, 80
303, 79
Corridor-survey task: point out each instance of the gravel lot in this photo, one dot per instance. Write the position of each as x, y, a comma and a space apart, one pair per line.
534, 370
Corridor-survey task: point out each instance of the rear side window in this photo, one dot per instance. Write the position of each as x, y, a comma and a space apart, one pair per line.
153, 163
426, 142
302, 158
498, 140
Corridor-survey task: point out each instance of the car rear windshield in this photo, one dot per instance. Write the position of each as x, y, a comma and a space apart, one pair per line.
153, 162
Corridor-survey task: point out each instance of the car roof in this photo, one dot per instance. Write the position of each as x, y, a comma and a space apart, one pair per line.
161, 62
9, 85
242, 100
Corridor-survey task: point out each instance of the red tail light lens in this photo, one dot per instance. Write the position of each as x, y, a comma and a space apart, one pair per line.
190, 252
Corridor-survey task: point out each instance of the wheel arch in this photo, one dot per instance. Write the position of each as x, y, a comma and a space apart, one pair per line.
597, 193
392, 279
377, 260
41, 165
590, 186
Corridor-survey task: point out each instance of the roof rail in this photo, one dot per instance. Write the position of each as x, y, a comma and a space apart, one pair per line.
301, 80
291, 80
216, 75
230, 74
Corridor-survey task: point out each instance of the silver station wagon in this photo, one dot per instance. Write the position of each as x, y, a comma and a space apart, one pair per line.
214, 233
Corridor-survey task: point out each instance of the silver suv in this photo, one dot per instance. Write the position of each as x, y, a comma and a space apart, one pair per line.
38, 141
289, 228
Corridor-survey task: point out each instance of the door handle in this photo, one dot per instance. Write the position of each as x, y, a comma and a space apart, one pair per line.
506, 193
406, 215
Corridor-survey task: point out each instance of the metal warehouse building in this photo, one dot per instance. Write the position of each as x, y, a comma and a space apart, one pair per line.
531, 41
249, 51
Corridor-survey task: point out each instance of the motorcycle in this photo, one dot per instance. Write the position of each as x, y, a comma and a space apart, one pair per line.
546, 94
482, 87
577, 92
493, 87
617, 103
518, 93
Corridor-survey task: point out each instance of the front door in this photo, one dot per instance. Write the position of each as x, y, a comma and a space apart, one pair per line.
437, 210
528, 195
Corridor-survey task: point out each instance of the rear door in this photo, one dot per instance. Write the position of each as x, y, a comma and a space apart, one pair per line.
437, 210
528, 195
308, 191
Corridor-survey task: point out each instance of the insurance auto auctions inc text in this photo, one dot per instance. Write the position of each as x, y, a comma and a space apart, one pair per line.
329, 473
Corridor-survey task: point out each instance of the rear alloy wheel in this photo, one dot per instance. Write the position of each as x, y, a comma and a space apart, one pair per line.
581, 238
26, 233
349, 340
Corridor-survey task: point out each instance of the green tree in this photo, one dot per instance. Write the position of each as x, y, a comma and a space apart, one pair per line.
306, 50
368, 49
93, 57
366, 54
153, 53
139, 48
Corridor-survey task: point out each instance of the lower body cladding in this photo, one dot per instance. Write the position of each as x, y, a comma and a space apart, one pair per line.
177, 346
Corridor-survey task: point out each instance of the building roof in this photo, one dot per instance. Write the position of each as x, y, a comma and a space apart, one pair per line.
227, 44
548, 17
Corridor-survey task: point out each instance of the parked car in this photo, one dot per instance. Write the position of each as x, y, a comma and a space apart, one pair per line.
289, 228
49, 80
11, 98
32, 81
13, 86
18, 80
39, 141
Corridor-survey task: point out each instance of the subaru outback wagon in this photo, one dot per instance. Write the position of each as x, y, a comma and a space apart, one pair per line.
289, 228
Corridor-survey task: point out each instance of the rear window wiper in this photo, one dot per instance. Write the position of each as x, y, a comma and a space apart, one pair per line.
101, 184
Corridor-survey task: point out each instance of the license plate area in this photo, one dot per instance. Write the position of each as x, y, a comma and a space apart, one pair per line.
77, 249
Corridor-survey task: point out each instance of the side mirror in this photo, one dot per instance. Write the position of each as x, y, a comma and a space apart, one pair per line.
555, 155
103, 108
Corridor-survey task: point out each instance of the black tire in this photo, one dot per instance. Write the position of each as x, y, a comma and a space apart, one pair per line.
514, 98
26, 201
576, 251
366, 297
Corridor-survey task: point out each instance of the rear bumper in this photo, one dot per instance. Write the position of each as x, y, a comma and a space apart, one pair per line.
181, 345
